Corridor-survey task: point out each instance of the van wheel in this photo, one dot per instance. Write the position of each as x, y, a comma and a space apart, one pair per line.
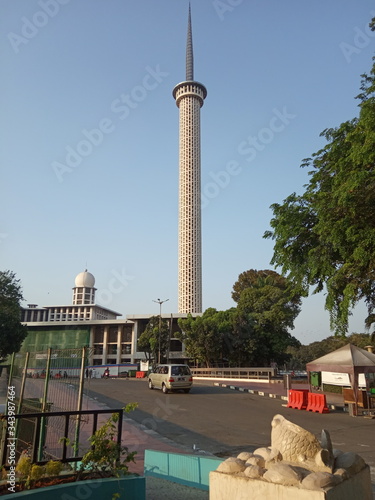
150, 386
164, 389
186, 391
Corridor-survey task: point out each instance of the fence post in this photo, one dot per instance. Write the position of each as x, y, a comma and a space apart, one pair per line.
11, 369
22, 389
79, 402
4, 423
44, 405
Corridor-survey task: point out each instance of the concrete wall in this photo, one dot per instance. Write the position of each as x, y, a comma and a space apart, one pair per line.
190, 470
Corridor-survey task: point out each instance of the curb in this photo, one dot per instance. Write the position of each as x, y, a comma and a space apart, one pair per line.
334, 407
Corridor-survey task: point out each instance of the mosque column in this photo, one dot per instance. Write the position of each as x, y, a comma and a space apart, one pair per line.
134, 341
118, 356
91, 345
105, 345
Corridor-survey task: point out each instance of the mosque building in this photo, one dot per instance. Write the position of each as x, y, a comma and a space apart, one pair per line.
113, 341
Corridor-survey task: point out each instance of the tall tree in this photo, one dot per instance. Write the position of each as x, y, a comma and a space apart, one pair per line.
241, 340
271, 313
203, 336
255, 279
12, 332
325, 238
155, 334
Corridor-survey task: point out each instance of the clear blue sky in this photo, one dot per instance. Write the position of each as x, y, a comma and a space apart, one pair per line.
277, 74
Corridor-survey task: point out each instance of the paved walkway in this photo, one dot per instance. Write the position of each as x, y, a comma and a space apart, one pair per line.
139, 438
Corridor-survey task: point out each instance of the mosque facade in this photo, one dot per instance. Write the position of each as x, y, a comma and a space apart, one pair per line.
112, 340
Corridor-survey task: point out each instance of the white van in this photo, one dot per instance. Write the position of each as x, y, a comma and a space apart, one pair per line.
171, 378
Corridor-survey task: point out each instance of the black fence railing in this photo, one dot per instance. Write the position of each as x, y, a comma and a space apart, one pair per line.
42, 419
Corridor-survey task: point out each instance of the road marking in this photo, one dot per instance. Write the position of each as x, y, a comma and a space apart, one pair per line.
365, 445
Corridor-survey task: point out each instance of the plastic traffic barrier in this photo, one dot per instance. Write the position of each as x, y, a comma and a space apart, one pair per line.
298, 399
317, 403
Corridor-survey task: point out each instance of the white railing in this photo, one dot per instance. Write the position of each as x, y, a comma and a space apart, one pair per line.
235, 373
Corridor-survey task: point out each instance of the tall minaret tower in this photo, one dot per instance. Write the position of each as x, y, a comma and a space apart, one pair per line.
189, 97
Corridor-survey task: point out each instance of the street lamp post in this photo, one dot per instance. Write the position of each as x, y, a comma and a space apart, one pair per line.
160, 302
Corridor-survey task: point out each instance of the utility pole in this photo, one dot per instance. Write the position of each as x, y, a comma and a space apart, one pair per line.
160, 302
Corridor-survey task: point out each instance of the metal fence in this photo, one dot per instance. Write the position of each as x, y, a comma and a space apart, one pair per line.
37, 449
48, 381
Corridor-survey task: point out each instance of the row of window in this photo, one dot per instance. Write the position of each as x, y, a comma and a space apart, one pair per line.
125, 333
175, 346
110, 361
112, 349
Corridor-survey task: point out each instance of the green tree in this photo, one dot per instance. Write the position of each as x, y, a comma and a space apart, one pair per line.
240, 341
12, 332
325, 238
256, 279
267, 297
266, 310
203, 336
149, 340
259, 280
271, 315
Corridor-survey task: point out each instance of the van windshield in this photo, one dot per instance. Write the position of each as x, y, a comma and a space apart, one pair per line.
180, 370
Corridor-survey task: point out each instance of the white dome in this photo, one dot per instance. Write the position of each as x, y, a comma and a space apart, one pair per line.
85, 279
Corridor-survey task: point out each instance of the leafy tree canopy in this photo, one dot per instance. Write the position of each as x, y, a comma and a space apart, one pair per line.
325, 238
148, 341
267, 297
12, 332
271, 310
204, 335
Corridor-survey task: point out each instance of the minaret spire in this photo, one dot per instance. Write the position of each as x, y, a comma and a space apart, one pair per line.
189, 52
190, 96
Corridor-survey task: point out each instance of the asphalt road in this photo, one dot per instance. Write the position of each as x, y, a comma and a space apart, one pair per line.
224, 422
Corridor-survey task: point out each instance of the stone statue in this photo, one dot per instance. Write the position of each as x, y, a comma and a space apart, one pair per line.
296, 459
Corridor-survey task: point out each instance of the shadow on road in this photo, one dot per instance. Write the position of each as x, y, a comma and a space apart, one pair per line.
181, 437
